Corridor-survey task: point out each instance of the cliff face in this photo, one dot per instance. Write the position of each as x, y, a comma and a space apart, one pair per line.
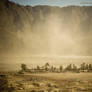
45, 30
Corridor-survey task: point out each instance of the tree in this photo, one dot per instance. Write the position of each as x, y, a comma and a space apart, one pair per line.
52, 69
23, 67
61, 68
90, 67
74, 67
47, 66
69, 67
83, 66
38, 67
87, 67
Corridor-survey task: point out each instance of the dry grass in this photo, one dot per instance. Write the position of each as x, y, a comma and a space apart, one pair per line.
52, 82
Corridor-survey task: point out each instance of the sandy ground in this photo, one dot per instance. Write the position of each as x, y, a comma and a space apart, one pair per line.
60, 76
51, 82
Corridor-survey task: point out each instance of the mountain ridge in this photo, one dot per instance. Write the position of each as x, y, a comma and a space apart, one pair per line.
23, 27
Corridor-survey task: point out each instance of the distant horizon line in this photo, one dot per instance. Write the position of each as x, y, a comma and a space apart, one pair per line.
47, 56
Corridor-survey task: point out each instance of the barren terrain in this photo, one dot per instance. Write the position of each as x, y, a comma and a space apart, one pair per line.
51, 82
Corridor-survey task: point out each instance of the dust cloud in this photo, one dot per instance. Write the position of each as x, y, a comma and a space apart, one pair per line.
35, 35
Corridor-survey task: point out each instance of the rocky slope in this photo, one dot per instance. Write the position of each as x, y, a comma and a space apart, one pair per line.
45, 30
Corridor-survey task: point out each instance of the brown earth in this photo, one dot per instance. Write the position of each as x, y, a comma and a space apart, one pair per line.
51, 82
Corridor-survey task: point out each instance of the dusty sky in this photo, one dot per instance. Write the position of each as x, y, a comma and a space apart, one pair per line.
57, 40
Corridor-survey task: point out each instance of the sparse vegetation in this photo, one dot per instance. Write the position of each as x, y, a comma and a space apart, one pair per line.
4, 86
48, 68
47, 82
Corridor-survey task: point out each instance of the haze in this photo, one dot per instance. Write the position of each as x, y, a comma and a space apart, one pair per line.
40, 34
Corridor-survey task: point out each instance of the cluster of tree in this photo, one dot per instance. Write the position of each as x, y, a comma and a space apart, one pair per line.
71, 67
82, 68
85, 66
